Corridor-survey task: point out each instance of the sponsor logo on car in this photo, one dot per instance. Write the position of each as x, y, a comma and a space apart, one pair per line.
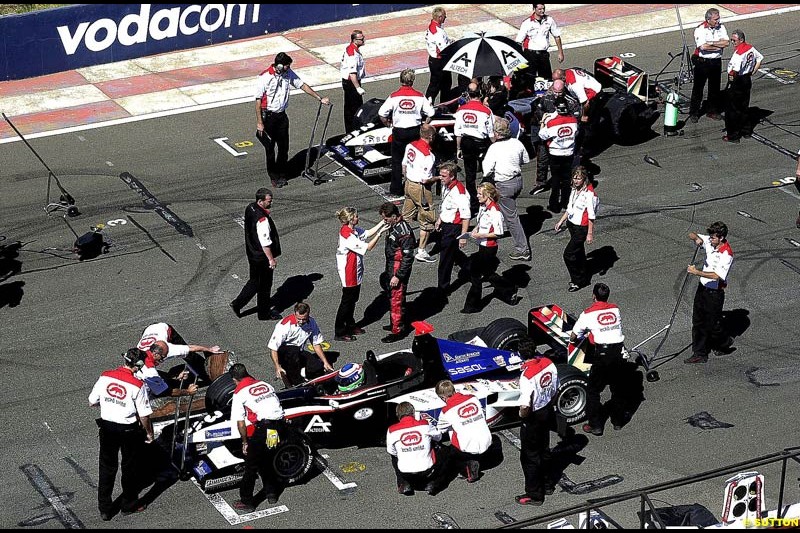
363, 413
224, 481
360, 163
218, 433
317, 425
202, 469
376, 171
606, 319
466, 369
411, 438
459, 358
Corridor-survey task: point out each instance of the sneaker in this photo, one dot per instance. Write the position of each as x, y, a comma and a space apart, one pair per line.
405, 489
236, 311
696, 359
345, 338
694, 119
473, 471
239, 505
573, 287
423, 257
138, 508
539, 188
714, 116
357, 331
520, 256
524, 499
731, 140
394, 337
588, 428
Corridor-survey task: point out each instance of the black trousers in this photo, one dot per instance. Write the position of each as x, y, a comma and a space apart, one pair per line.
129, 440
707, 330
608, 370
539, 64
473, 151
400, 139
258, 462
352, 102
483, 267
441, 80
260, 284
293, 359
534, 453
345, 321
436, 475
275, 139
575, 254
561, 170
706, 70
737, 104
449, 253
542, 162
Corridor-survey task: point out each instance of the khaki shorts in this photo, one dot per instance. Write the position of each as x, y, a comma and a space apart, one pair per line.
412, 207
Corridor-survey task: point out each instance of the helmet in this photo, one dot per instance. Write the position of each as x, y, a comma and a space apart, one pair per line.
561, 107
350, 377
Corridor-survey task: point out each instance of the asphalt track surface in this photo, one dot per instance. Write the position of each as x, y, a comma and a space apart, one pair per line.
64, 321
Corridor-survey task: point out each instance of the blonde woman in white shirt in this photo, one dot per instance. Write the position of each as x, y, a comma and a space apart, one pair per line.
579, 217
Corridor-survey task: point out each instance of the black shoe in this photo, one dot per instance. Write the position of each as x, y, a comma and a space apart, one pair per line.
587, 428
357, 331
554, 209
106, 516
405, 489
473, 471
573, 287
714, 116
272, 315
470, 310
726, 348
433, 488
239, 505
696, 359
728, 139
549, 489
344, 338
138, 508
617, 427
394, 337
524, 499
539, 188
272, 499
694, 119
387, 327
395, 193
236, 310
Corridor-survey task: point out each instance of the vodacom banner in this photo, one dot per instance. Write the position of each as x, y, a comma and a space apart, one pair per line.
70, 37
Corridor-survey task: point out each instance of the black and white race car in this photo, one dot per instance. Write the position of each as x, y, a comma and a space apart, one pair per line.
482, 362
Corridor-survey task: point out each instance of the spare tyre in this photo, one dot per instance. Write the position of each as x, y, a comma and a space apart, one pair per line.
219, 394
504, 334
571, 395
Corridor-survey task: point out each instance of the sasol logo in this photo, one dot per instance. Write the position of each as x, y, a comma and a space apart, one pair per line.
470, 118
411, 438
258, 390
136, 28
411, 156
406, 104
467, 369
546, 380
468, 411
564, 131
115, 390
606, 319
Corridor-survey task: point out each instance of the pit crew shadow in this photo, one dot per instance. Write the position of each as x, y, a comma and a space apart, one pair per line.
755, 115
601, 260
533, 219
11, 293
430, 302
294, 289
157, 472
735, 322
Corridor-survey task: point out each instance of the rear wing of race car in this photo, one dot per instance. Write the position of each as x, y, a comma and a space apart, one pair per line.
550, 325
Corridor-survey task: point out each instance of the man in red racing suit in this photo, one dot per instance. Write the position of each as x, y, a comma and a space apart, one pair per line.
400, 247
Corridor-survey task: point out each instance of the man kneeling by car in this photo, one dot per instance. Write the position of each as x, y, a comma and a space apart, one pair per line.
470, 436
410, 442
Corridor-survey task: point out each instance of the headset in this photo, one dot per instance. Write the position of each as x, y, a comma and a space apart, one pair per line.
134, 357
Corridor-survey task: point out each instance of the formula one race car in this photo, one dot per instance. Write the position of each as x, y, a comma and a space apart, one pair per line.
481, 362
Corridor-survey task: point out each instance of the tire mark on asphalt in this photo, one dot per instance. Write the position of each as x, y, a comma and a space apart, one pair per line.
147, 233
150, 201
54, 498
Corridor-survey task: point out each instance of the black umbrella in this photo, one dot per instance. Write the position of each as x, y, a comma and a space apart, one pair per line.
478, 55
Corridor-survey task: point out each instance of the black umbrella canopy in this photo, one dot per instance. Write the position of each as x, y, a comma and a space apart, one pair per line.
480, 55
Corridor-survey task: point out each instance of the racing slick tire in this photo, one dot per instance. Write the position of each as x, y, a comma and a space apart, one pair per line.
504, 334
571, 394
219, 394
293, 458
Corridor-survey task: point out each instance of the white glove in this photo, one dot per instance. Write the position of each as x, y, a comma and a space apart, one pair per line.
361, 91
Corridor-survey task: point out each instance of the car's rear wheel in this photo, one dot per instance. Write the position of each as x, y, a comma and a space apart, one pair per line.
504, 334
293, 458
572, 394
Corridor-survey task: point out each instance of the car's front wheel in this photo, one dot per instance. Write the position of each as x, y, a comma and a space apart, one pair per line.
293, 458
571, 395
